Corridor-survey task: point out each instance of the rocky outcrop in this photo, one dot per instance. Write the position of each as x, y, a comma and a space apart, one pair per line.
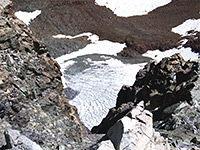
162, 86
169, 91
32, 100
134, 131
193, 41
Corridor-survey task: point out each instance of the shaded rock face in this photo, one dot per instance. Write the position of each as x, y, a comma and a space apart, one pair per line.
162, 86
169, 90
32, 99
193, 41
140, 33
134, 131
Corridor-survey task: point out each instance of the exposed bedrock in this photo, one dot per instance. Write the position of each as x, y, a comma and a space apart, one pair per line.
34, 111
134, 131
169, 91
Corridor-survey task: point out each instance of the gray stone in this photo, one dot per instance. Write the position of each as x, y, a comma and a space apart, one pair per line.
3, 125
135, 133
18, 141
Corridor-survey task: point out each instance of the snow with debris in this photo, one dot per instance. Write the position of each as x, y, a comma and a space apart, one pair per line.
188, 25
96, 47
127, 8
27, 17
99, 83
91, 37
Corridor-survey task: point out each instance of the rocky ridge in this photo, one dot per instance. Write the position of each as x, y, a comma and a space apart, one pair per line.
34, 111
168, 90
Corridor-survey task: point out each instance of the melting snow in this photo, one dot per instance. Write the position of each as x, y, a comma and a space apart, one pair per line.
190, 24
27, 17
127, 8
99, 84
96, 47
158, 55
92, 37
182, 29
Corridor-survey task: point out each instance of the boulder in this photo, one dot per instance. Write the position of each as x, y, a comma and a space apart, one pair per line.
135, 131
17, 141
112, 117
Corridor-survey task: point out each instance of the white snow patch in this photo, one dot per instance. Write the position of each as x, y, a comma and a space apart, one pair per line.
186, 53
92, 37
188, 25
127, 8
27, 17
96, 47
99, 86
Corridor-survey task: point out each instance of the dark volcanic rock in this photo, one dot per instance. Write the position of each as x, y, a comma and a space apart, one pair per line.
112, 117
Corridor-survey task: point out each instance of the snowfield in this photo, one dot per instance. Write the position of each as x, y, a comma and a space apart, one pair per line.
27, 17
128, 8
188, 25
99, 84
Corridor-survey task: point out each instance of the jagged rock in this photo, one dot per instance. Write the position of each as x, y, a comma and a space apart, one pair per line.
112, 117
194, 42
32, 98
169, 90
17, 141
162, 86
135, 131
183, 126
3, 126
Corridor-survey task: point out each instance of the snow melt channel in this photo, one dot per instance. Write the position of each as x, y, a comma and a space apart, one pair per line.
128, 8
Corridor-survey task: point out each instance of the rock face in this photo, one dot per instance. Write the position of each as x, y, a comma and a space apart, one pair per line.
134, 131
169, 91
32, 99
193, 41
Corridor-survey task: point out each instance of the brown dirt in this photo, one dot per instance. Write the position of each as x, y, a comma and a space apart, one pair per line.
141, 33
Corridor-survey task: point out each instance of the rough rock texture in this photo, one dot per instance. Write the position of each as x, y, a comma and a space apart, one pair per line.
13, 138
140, 33
183, 127
165, 88
32, 99
193, 41
160, 85
134, 131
